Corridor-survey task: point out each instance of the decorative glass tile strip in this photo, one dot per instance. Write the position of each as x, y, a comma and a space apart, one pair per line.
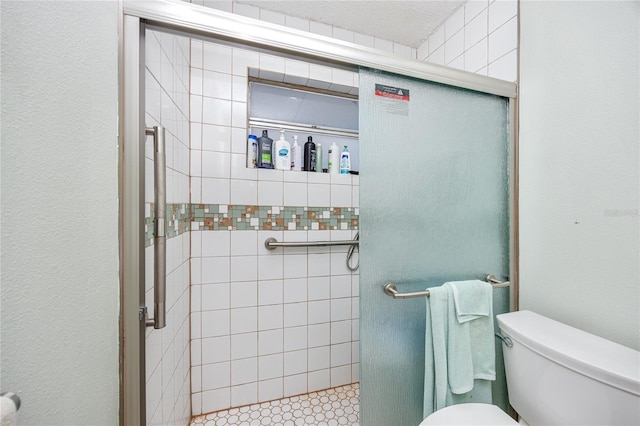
214, 217
225, 217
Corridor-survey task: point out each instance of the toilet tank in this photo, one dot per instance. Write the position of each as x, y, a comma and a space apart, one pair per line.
559, 375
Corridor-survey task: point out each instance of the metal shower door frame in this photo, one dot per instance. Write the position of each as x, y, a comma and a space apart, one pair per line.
201, 22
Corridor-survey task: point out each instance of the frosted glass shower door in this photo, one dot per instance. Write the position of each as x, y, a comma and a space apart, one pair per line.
434, 207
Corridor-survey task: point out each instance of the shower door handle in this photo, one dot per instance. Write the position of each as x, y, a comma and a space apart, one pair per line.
159, 319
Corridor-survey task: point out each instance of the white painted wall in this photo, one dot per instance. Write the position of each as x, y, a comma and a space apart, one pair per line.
59, 211
579, 165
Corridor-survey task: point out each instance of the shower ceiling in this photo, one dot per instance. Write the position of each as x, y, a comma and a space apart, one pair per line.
404, 22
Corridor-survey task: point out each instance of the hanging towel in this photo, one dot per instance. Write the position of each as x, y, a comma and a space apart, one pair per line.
459, 354
473, 299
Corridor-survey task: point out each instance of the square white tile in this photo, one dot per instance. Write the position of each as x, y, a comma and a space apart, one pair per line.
244, 268
270, 267
215, 323
318, 380
244, 294
244, 394
318, 288
295, 385
319, 264
319, 334
215, 400
295, 314
295, 289
269, 390
215, 243
215, 376
270, 366
270, 317
295, 362
270, 292
215, 191
340, 309
269, 193
217, 58
340, 354
215, 296
215, 269
244, 371
319, 311
270, 342
295, 338
244, 320
244, 192
244, 345
244, 243
215, 349
340, 332
340, 375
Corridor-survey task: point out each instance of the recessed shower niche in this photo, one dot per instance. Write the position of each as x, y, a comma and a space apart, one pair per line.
324, 111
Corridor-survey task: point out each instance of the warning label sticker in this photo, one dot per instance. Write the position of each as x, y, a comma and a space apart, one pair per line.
392, 92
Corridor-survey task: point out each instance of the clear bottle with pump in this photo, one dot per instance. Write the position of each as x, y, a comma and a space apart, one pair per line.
296, 155
334, 159
345, 161
282, 153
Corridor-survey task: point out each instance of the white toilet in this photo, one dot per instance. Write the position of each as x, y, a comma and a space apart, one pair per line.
557, 375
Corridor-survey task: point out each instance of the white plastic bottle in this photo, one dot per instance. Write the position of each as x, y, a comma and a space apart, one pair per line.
296, 155
252, 151
282, 153
345, 161
334, 159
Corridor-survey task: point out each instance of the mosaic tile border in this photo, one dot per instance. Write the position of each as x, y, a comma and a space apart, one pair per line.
226, 217
214, 217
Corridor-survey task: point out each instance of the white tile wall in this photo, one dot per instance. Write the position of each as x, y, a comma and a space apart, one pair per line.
167, 351
480, 37
265, 324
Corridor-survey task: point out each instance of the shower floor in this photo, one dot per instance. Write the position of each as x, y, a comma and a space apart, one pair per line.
330, 407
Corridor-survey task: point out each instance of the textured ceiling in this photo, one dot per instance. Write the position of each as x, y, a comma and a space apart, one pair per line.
405, 22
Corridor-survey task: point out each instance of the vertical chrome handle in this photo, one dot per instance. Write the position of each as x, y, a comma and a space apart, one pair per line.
159, 319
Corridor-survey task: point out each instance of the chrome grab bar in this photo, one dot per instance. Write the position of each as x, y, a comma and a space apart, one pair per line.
159, 319
271, 243
390, 289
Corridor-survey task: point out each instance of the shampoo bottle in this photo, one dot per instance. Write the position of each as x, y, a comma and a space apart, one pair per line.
296, 155
282, 153
252, 151
334, 159
265, 150
309, 155
345, 161
318, 158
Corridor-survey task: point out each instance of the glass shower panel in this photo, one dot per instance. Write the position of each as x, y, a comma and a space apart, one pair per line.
434, 194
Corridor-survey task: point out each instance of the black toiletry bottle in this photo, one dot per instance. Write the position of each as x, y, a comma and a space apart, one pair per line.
265, 151
309, 155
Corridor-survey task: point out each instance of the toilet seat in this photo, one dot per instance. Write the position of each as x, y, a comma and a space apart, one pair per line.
469, 414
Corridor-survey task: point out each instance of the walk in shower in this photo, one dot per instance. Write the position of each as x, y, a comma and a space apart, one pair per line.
246, 325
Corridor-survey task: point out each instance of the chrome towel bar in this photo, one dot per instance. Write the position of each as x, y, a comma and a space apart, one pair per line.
272, 243
390, 289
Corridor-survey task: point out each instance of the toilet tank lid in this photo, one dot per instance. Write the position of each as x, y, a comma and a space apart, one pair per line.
590, 355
